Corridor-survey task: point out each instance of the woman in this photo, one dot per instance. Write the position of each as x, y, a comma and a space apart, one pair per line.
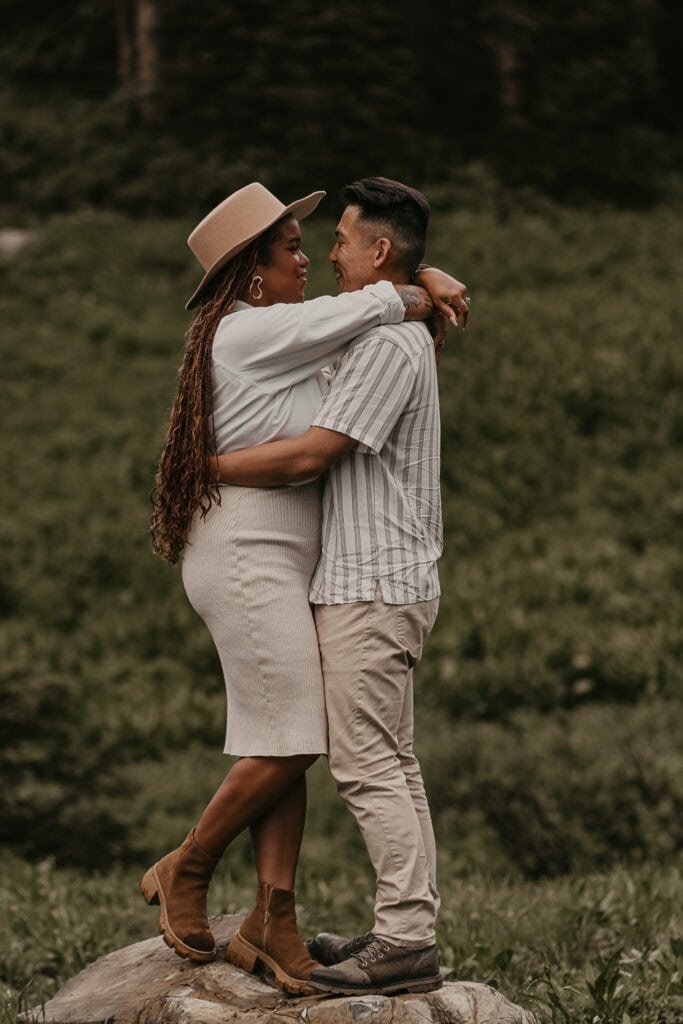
252, 372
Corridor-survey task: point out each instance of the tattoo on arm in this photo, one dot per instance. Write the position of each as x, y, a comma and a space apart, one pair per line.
416, 302
411, 298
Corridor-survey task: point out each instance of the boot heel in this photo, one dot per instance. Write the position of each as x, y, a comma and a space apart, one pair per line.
149, 887
241, 954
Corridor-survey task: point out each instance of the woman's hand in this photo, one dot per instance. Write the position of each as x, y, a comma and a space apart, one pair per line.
448, 295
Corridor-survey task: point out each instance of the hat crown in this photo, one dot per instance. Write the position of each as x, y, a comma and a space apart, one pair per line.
243, 215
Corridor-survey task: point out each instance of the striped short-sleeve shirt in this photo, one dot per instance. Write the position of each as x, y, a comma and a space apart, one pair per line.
382, 502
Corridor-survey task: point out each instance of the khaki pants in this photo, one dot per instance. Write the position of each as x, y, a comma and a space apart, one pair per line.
369, 650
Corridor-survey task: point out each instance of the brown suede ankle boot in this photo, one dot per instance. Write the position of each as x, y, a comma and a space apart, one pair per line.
269, 935
179, 882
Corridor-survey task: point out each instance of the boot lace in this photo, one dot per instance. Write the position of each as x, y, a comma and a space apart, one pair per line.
374, 951
360, 942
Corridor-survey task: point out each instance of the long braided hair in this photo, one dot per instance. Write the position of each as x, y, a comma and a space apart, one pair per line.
185, 479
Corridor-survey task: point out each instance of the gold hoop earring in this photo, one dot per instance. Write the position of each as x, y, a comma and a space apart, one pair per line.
258, 281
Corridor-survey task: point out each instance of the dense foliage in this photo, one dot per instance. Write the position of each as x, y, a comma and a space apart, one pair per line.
549, 697
579, 100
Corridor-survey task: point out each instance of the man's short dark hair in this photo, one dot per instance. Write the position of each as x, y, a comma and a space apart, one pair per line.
397, 211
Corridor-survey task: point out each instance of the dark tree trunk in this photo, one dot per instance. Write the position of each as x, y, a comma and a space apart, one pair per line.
507, 58
147, 60
138, 58
126, 49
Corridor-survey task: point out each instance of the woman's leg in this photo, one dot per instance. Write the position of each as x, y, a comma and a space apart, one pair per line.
277, 835
269, 934
180, 880
248, 792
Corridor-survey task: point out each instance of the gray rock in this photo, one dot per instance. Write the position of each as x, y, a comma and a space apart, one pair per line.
148, 984
13, 240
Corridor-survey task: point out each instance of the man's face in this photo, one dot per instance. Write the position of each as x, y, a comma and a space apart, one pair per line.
353, 254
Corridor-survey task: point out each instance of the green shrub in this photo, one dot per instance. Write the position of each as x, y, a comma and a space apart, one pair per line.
54, 767
552, 794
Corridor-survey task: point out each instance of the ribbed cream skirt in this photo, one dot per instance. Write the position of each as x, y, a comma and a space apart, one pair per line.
246, 570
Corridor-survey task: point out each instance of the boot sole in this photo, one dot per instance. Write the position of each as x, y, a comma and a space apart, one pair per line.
242, 954
152, 890
416, 985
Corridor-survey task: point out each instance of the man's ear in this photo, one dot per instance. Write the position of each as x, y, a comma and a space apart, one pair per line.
382, 251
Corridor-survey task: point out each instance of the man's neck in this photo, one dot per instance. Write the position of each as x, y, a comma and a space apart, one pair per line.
395, 277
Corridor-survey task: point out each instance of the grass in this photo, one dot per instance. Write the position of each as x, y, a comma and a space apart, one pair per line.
549, 709
600, 948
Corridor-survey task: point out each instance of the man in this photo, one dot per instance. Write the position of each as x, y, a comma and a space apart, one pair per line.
376, 587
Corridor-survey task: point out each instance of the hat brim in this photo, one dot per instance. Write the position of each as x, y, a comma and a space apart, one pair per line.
300, 209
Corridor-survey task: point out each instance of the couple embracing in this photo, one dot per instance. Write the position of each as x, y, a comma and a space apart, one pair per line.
319, 596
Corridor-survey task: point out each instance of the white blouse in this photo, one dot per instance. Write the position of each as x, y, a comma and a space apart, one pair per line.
267, 361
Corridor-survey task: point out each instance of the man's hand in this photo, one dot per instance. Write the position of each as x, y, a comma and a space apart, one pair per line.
438, 328
448, 295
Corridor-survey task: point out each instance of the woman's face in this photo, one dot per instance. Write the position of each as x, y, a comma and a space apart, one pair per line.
284, 277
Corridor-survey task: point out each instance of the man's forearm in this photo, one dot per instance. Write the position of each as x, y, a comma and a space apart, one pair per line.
416, 301
274, 464
293, 460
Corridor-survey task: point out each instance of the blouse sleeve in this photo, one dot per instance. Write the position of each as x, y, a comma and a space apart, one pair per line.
288, 342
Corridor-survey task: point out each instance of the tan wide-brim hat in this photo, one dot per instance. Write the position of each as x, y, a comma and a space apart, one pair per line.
236, 222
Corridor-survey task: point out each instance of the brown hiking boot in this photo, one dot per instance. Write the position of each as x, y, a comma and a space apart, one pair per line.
383, 968
179, 883
269, 935
328, 948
